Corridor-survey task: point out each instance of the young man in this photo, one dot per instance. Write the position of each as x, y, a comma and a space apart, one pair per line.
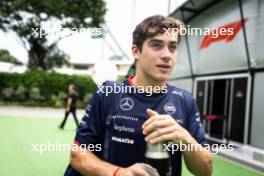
161, 113
71, 105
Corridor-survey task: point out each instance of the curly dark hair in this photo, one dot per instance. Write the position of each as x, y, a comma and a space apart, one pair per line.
152, 26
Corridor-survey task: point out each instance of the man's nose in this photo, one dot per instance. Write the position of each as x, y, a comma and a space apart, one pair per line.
166, 54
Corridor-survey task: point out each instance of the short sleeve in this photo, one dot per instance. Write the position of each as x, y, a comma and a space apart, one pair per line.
73, 96
91, 126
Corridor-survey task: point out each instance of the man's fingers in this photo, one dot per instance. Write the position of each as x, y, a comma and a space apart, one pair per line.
162, 123
156, 118
151, 112
150, 170
160, 132
165, 137
153, 119
139, 171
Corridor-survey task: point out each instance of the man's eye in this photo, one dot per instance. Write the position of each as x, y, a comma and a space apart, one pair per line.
172, 47
156, 45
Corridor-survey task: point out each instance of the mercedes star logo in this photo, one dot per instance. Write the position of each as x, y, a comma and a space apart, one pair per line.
126, 104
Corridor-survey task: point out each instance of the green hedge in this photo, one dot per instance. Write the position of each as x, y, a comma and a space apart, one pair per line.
43, 88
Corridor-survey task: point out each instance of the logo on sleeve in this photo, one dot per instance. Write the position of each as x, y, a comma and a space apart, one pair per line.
126, 104
177, 93
169, 108
197, 114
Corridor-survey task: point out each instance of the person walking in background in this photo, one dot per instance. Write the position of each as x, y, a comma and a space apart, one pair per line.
71, 105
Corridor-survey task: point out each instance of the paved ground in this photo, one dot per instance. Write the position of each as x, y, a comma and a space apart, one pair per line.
21, 111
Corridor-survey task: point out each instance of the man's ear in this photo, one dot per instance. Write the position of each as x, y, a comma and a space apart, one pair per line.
135, 51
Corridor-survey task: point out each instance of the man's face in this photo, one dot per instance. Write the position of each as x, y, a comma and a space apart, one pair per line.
71, 88
157, 57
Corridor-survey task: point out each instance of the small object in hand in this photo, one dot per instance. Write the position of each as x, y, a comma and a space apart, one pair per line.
149, 169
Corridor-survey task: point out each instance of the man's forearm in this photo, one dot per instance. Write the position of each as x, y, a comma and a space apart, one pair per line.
198, 160
86, 163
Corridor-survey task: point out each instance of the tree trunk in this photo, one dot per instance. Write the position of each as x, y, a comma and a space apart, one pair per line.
37, 56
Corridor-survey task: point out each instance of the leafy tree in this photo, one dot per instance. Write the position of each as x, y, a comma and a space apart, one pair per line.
56, 57
28, 18
5, 56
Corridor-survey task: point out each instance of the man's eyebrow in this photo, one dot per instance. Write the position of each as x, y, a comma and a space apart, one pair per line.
155, 40
161, 41
173, 42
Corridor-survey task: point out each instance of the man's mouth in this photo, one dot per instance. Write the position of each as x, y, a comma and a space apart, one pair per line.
164, 67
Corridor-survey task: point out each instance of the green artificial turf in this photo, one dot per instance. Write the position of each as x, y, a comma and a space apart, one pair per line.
19, 159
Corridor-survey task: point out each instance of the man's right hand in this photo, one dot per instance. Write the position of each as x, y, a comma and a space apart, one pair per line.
134, 170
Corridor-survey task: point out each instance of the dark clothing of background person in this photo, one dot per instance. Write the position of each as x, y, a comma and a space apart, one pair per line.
71, 108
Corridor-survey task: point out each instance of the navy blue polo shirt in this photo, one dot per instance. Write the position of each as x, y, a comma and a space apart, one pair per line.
127, 144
